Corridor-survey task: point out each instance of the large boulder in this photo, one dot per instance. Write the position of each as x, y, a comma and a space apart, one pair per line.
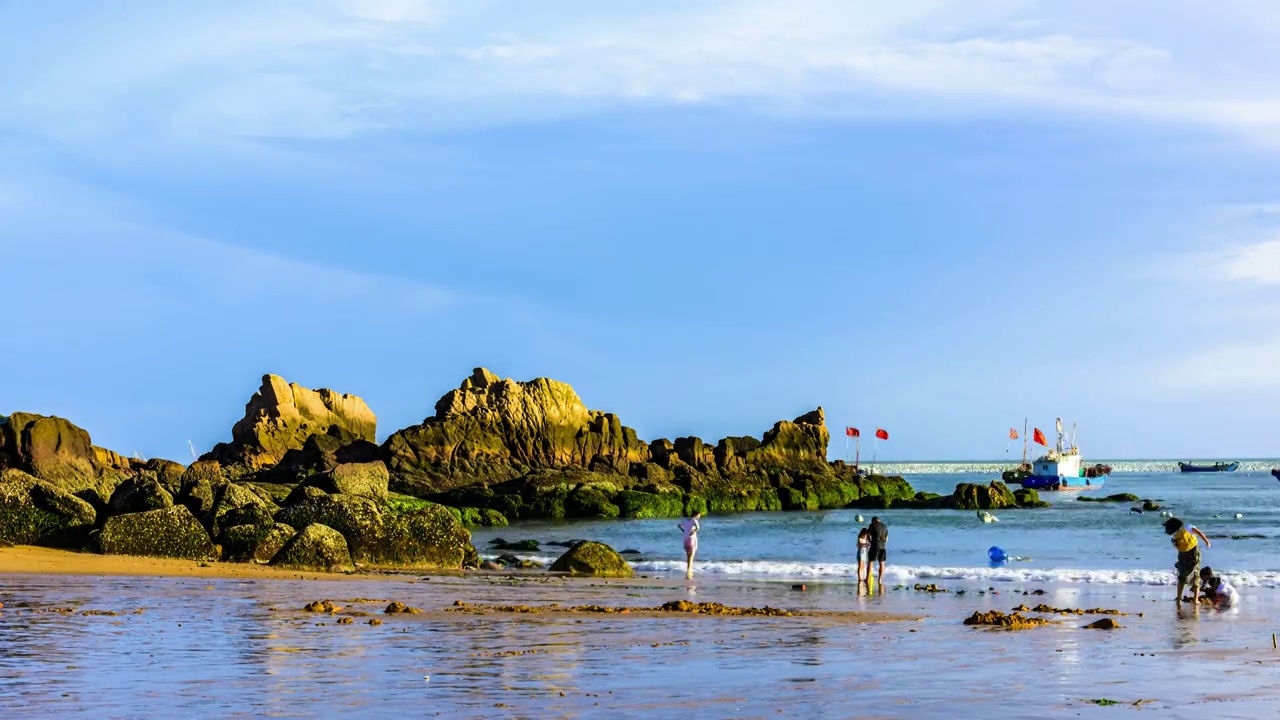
595, 559
430, 537
238, 504
496, 428
56, 451
171, 532
317, 548
367, 480
255, 543
970, 496
34, 512
139, 495
281, 416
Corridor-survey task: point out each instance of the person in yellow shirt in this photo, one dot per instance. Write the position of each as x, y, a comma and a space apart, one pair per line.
1188, 565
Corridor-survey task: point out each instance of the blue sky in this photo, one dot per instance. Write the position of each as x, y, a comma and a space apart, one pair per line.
934, 216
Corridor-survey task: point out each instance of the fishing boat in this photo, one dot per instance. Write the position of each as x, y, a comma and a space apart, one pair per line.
1216, 467
1062, 468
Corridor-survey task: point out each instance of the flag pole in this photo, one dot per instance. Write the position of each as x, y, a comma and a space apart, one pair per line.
857, 451
874, 443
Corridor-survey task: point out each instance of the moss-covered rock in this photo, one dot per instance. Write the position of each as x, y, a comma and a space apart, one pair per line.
139, 495
171, 532
368, 480
255, 543
428, 537
595, 559
237, 504
644, 505
970, 496
590, 502
1117, 498
316, 548
1029, 498
34, 512
302, 493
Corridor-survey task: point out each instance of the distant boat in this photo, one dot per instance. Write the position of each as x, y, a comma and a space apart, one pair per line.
1216, 467
1062, 468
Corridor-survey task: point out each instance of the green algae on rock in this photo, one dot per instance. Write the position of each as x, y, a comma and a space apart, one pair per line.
429, 537
367, 480
34, 512
139, 495
317, 548
255, 543
595, 559
170, 532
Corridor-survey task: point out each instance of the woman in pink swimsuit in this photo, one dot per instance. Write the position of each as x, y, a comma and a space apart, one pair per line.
690, 529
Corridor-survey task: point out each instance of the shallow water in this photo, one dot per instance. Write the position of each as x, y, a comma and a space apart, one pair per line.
232, 648
1071, 541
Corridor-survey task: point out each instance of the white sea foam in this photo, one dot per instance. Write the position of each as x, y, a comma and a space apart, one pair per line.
907, 574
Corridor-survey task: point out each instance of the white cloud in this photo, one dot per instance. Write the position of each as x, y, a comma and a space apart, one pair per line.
330, 69
1249, 365
1257, 263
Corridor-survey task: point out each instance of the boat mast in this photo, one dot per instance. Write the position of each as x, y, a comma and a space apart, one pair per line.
1073, 438
1024, 441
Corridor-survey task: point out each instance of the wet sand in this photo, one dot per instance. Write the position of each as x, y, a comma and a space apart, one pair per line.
93, 636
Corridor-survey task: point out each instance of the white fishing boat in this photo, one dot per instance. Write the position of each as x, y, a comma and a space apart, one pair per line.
1062, 467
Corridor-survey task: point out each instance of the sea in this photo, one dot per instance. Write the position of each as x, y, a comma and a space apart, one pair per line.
128, 647
1071, 541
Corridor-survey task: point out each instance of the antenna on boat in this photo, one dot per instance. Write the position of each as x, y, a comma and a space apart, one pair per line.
1073, 438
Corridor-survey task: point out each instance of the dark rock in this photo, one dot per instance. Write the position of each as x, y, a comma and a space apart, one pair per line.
139, 495
255, 543
56, 451
521, 545
1117, 498
317, 548
302, 493
237, 504
34, 512
996, 496
430, 537
368, 480
1104, 624
593, 558
171, 532
1149, 506
1028, 498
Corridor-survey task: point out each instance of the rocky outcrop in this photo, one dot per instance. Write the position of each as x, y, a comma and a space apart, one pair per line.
173, 532
56, 451
496, 430
317, 548
139, 495
595, 559
533, 450
429, 537
282, 416
34, 512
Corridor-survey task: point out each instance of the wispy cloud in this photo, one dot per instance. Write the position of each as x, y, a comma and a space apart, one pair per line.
1250, 365
334, 68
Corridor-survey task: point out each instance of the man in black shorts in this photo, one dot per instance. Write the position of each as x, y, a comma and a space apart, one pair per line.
879, 539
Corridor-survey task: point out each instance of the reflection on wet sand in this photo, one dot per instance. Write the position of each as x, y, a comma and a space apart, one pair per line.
217, 647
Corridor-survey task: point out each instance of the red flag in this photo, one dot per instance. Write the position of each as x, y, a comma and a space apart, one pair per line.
882, 433
1013, 434
1039, 438
852, 432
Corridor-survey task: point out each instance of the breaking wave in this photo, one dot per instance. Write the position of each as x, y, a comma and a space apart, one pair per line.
899, 574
